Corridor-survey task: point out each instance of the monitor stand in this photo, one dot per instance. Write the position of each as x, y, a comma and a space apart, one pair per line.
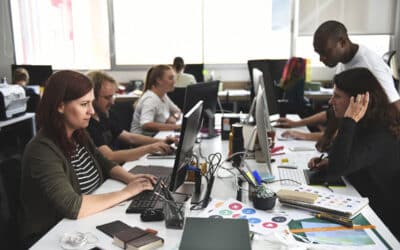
211, 133
202, 197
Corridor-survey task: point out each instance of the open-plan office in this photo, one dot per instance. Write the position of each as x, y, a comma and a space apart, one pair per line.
219, 40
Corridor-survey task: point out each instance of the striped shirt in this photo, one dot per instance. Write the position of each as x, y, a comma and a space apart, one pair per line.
85, 170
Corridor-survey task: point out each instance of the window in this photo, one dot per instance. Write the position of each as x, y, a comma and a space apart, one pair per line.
236, 31
156, 31
67, 34
201, 31
368, 22
377, 43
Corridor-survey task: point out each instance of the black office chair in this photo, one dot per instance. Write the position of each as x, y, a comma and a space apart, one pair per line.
391, 60
10, 180
122, 112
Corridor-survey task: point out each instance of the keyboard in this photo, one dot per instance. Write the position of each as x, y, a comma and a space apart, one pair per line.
147, 199
160, 155
291, 174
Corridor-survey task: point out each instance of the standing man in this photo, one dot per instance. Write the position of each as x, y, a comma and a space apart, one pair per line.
107, 134
335, 49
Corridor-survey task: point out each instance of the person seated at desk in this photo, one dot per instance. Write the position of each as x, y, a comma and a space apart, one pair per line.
107, 134
182, 79
154, 110
61, 166
335, 48
366, 149
21, 77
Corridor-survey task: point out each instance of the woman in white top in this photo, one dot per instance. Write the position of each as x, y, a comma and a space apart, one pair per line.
182, 79
154, 111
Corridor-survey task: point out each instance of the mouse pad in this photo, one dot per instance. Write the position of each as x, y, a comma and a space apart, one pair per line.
318, 178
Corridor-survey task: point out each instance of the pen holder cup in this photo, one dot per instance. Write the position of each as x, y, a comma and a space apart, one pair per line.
264, 203
174, 214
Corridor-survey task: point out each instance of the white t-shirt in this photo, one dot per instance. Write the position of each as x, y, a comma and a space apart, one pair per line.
184, 79
151, 108
366, 58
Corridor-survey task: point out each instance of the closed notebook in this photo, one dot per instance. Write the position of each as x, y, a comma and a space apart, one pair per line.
215, 233
113, 227
146, 242
123, 237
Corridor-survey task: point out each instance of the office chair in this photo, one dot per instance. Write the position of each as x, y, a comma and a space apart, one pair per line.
122, 112
10, 181
390, 59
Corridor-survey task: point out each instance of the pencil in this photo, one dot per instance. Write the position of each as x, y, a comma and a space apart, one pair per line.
325, 229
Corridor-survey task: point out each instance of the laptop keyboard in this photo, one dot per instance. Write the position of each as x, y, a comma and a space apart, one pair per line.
288, 174
147, 199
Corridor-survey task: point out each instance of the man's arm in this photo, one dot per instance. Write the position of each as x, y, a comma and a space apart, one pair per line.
133, 153
136, 139
155, 126
314, 119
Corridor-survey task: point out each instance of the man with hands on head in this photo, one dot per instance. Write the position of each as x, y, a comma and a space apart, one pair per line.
106, 133
366, 149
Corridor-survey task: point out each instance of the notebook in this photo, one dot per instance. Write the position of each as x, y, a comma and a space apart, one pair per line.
329, 202
215, 233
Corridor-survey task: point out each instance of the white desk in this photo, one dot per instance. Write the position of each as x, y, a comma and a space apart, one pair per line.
223, 189
24, 117
228, 95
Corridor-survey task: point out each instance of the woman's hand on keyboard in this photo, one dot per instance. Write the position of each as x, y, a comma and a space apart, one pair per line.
316, 163
138, 185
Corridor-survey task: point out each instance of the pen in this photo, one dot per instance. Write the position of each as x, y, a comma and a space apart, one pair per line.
287, 166
334, 218
321, 157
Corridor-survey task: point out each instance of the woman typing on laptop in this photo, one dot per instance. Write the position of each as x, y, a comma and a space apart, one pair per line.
366, 148
61, 167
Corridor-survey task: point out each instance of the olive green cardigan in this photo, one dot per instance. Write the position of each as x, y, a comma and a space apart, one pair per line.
49, 187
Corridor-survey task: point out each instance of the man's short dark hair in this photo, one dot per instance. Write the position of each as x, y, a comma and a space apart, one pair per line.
331, 29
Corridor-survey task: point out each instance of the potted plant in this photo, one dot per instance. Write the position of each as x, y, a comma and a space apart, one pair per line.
263, 198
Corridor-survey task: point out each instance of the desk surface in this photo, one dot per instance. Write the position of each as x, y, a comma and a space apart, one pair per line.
231, 94
14, 120
223, 189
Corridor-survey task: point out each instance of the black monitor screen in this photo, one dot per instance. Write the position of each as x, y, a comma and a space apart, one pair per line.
202, 91
38, 74
178, 96
196, 70
187, 139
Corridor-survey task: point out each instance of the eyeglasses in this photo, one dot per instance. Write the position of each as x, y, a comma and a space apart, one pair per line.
109, 97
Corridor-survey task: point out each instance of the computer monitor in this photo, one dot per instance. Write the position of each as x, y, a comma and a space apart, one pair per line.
263, 125
38, 74
196, 70
258, 78
177, 96
208, 93
187, 139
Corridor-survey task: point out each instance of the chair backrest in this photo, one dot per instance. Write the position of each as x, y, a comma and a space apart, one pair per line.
391, 59
10, 181
122, 112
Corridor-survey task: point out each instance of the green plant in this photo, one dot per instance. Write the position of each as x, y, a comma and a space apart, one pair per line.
263, 192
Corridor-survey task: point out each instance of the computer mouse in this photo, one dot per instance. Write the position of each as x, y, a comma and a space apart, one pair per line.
152, 215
